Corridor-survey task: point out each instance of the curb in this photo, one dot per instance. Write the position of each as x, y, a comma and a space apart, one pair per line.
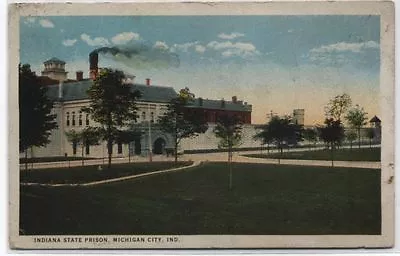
93, 183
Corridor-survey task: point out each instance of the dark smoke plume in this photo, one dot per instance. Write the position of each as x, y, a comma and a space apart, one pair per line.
140, 56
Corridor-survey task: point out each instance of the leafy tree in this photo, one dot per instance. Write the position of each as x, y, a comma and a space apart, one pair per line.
370, 133
332, 134
338, 106
89, 136
128, 136
35, 118
280, 131
351, 136
113, 104
265, 138
179, 122
75, 139
357, 118
229, 130
311, 135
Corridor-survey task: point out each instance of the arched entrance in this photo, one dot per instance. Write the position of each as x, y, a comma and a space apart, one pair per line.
159, 146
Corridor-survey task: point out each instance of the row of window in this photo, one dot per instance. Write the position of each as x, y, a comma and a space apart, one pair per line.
71, 119
87, 148
143, 116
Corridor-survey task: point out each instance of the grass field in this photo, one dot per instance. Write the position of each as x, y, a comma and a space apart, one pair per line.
355, 154
83, 174
265, 199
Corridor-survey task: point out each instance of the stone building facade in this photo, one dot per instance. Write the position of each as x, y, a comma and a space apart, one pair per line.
70, 96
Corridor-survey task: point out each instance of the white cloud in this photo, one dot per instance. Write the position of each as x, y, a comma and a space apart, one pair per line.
228, 44
230, 49
230, 36
46, 23
69, 42
29, 20
125, 37
183, 47
343, 46
200, 48
97, 41
161, 45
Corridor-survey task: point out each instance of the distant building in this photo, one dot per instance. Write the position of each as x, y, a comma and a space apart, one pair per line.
298, 116
55, 69
212, 109
376, 124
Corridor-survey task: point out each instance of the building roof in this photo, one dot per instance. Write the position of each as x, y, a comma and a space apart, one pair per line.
217, 104
375, 119
78, 91
54, 60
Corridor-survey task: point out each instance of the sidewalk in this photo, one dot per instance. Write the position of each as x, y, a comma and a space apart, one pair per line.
219, 156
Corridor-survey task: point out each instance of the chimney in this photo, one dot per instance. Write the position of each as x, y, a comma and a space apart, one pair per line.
60, 89
79, 75
148, 81
234, 99
200, 101
93, 62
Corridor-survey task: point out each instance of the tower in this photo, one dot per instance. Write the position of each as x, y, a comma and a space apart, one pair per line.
55, 69
298, 116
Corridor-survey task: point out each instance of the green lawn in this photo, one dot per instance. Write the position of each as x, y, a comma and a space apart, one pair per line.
52, 159
83, 174
355, 154
265, 199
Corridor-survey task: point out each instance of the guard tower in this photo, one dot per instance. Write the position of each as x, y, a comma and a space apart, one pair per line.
298, 116
55, 69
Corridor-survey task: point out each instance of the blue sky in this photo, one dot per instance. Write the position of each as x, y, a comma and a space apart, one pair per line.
273, 62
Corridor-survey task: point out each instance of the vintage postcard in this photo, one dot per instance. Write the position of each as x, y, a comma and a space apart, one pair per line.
201, 125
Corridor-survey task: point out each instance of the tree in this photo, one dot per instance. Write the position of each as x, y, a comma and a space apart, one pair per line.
265, 138
179, 122
351, 136
338, 106
229, 130
113, 105
87, 137
90, 136
35, 118
370, 133
281, 131
310, 134
357, 118
332, 134
128, 136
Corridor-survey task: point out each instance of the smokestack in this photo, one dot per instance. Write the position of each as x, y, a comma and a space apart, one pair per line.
93, 62
148, 81
79, 75
234, 99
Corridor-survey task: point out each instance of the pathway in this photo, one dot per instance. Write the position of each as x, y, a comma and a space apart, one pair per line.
114, 179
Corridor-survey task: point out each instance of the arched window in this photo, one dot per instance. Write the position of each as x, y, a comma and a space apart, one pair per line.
73, 118
152, 117
67, 118
87, 119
